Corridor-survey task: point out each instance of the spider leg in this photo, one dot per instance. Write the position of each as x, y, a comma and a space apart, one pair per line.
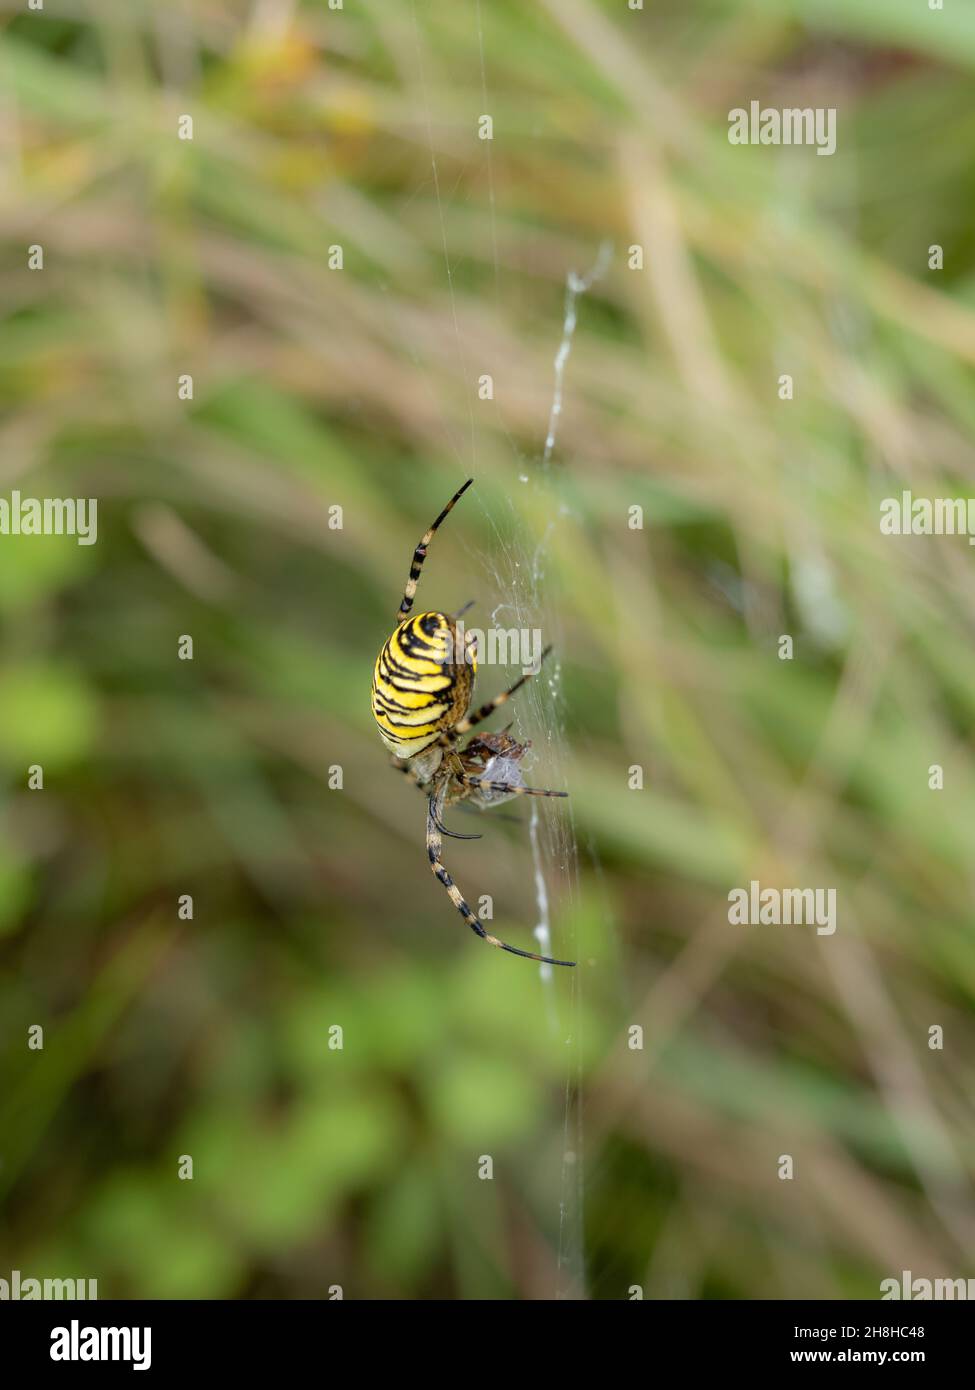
455, 834
510, 787
488, 709
434, 848
420, 554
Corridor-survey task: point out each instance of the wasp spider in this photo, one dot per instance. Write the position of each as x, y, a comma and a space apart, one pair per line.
421, 691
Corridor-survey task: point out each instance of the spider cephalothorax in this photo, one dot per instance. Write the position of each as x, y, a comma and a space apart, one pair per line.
421, 690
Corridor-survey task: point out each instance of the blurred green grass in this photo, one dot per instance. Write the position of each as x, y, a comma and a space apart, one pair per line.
315, 388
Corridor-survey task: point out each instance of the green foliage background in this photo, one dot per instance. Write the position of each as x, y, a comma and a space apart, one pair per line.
313, 388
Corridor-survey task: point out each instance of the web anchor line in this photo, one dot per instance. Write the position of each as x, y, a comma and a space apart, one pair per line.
575, 285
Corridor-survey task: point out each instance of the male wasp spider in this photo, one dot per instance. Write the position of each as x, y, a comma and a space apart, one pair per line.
421, 691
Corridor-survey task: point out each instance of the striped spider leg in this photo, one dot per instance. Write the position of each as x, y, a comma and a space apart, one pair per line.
486, 710
420, 554
435, 807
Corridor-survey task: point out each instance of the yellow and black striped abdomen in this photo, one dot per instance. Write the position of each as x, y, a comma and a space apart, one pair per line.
422, 684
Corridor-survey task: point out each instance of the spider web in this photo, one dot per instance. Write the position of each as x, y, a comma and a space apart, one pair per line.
523, 531
518, 571
517, 568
